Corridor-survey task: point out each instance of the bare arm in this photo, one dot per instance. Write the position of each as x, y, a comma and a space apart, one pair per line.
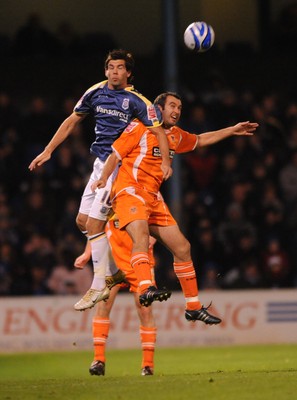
242, 128
164, 149
109, 167
62, 133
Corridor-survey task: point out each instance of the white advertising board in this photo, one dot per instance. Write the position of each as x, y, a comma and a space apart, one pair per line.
248, 317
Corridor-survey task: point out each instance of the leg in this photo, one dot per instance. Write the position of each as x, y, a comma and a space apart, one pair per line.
179, 246
148, 335
101, 326
81, 261
138, 230
132, 210
94, 210
99, 251
121, 245
87, 200
97, 207
111, 280
100, 257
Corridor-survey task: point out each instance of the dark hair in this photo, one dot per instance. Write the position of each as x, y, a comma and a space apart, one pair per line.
161, 99
120, 54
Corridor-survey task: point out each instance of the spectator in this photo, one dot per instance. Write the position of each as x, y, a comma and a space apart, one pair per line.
207, 251
37, 219
232, 227
197, 120
68, 41
38, 280
202, 164
38, 250
34, 39
210, 278
36, 127
288, 180
248, 276
65, 280
7, 262
276, 264
229, 174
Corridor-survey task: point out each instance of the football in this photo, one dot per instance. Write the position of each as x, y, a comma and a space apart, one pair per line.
199, 36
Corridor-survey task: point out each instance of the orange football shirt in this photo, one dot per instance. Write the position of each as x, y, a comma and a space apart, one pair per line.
138, 150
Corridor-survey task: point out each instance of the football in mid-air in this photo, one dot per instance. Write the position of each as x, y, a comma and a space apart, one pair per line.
199, 36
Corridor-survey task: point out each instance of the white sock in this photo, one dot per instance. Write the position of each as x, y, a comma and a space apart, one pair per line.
111, 268
100, 259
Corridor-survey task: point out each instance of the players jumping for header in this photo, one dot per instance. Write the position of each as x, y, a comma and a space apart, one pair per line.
141, 210
114, 103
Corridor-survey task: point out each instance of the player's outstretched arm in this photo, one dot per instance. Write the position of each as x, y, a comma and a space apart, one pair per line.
242, 128
109, 166
164, 149
62, 133
245, 128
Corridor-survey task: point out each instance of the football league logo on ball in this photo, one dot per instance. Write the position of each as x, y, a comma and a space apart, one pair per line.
199, 36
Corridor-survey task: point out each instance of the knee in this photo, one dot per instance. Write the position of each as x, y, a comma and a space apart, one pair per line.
95, 226
184, 250
81, 221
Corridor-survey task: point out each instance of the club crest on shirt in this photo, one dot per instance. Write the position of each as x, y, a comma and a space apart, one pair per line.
133, 210
125, 104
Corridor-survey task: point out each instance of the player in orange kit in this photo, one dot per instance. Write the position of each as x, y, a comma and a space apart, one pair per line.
121, 245
142, 211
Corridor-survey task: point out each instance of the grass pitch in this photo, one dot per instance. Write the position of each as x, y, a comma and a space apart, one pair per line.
220, 373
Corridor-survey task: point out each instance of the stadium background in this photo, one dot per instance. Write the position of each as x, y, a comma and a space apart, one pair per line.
239, 211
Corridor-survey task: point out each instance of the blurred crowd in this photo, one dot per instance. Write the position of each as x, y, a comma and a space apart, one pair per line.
33, 38
238, 203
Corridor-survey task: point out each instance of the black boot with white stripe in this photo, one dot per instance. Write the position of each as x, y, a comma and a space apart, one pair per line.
202, 315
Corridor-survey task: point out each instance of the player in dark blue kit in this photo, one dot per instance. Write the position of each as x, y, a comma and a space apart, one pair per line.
114, 103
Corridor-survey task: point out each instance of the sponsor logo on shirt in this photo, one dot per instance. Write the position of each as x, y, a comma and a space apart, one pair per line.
131, 126
120, 115
157, 153
152, 114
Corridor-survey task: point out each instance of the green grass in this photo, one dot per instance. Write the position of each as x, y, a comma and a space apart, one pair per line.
239, 372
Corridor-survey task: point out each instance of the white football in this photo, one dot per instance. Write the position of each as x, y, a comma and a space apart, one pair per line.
199, 36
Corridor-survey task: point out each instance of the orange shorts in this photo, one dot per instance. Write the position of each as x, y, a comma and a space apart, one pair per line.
121, 247
137, 204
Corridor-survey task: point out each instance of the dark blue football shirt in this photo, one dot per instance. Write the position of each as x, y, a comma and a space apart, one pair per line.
113, 111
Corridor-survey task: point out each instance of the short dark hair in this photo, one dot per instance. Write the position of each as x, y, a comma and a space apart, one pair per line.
120, 54
161, 99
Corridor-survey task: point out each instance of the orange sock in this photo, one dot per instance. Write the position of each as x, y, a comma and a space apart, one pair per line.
187, 278
148, 339
141, 266
100, 335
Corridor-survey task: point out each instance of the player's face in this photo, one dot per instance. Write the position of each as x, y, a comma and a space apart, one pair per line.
117, 74
172, 111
